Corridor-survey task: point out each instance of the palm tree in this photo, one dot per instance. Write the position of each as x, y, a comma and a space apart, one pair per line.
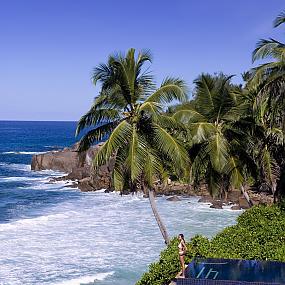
217, 143
129, 111
267, 84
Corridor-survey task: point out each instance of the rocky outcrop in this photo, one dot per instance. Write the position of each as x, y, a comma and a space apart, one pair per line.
173, 199
217, 204
78, 167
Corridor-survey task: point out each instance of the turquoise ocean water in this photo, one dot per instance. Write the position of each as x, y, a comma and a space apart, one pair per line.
53, 234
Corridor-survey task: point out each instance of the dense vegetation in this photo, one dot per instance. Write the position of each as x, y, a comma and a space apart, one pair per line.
226, 136
259, 234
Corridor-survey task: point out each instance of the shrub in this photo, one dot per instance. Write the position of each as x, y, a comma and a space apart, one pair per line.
259, 234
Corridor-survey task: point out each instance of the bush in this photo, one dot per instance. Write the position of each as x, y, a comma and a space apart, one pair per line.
259, 234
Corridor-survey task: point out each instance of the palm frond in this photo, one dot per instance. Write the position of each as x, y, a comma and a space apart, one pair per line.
96, 135
168, 145
217, 149
280, 19
136, 155
264, 72
170, 89
204, 89
169, 123
199, 165
119, 137
188, 116
119, 172
102, 73
118, 178
270, 166
213, 180
152, 168
100, 157
96, 116
266, 48
201, 131
231, 168
151, 108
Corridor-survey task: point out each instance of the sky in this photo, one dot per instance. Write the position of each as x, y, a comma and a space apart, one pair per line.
48, 48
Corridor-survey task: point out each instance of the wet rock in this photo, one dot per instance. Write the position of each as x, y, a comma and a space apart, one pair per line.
85, 184
235, 207
243, 203
173, 199
206, 199
217, 205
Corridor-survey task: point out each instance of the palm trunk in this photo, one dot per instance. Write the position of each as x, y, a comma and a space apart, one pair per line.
157, 217
246, 196
274, 186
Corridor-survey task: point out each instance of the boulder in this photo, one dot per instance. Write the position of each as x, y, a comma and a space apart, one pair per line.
235, 207
64, 160
217, 204
234, 195
85, 184
243, 203
77, 166
173, 198
206, 199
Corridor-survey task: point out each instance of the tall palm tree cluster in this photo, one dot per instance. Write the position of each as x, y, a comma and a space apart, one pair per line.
226, 136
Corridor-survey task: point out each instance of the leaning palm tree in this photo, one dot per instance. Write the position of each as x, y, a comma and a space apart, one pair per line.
129, 113
217, 143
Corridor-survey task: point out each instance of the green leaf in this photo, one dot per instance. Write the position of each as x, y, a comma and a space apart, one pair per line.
217, 149
171, 89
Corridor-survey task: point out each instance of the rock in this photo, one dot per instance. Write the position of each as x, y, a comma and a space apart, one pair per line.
233, 196
77, 165
173, 198
235, 207
217, 205
85, 184
243, 203
206, 199
64, 160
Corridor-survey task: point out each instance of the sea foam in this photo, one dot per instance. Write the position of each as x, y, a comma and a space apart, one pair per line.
23, 152
87, 279
15, 166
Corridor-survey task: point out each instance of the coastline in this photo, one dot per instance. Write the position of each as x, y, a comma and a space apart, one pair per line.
78, 169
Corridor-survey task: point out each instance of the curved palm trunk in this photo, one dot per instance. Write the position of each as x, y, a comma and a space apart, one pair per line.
246, 196
157, 217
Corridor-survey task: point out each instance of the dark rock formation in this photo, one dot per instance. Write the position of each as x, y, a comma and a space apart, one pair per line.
173, 198
235, 207
243, 203
206, 199
216, 204
78, 167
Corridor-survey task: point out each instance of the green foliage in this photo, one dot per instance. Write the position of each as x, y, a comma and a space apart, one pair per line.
129, 112
213, 136
259, 234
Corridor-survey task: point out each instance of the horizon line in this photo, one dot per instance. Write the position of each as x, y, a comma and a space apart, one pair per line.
7, 120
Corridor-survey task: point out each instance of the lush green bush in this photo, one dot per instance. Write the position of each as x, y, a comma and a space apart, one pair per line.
259, 234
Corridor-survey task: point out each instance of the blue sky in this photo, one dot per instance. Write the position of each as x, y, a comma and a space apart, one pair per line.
48, 48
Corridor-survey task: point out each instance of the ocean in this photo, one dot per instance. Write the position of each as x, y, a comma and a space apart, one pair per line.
54, 234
